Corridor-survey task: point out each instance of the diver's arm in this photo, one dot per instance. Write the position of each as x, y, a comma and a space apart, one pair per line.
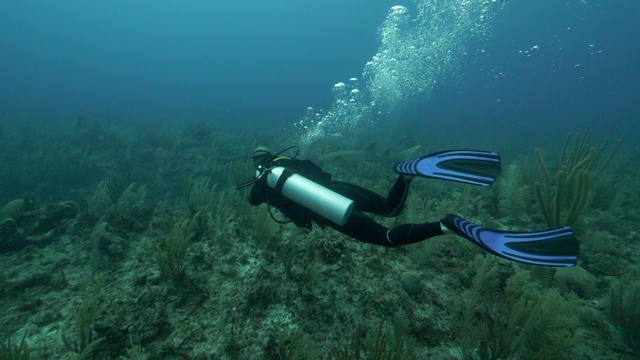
259, 191
257, 195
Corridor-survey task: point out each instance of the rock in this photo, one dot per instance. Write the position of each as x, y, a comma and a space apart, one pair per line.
37, 227
577, 280
65, 210
13, 209
11, 236
46, 218
411, 283
108, 244
8, 228
28, 279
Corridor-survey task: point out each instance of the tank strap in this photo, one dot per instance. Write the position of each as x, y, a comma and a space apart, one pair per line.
286, 173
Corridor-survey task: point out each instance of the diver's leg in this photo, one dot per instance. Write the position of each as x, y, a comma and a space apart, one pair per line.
368, 201
553, 247
362, 227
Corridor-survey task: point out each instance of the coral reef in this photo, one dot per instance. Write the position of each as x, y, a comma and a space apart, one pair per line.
133, 243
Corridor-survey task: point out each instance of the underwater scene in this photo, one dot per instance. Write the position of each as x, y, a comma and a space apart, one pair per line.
427, 179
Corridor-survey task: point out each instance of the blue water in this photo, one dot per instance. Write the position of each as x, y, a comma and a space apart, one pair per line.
585, 70
542, 67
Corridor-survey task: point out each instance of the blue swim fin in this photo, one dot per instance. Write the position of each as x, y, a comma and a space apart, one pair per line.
554, 247
474, 167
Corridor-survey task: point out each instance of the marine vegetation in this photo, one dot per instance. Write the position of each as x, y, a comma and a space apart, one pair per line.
132, 243
11, 351
564, 196
624, 312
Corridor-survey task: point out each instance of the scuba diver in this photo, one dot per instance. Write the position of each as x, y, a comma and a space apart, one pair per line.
303, 192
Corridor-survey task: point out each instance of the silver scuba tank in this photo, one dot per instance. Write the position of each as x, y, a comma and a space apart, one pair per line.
313, 196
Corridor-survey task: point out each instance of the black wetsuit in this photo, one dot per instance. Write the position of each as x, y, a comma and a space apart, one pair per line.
359, 225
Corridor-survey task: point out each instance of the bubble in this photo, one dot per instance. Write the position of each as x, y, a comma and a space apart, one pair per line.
398, 10
415, 54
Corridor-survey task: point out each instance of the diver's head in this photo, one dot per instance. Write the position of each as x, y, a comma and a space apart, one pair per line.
261, 155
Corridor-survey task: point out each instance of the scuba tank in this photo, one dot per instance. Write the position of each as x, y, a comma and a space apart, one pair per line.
313, 196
